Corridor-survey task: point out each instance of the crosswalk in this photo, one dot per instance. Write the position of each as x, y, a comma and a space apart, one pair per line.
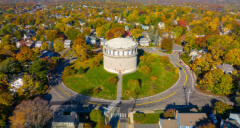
120, 115
111, 106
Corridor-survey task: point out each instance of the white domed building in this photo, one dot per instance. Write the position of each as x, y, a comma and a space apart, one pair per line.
120, 55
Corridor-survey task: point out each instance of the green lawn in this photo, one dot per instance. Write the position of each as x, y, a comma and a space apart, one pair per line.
152, 118
95, 77
165, 79
185, 58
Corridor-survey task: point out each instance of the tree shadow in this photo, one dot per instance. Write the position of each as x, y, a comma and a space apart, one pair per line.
140, 53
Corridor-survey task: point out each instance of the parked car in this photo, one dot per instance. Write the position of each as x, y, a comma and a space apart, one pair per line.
213, 118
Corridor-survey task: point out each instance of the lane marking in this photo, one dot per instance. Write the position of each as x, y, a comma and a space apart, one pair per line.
63, 91
83, 100
176, 54
92, 103
156, 100
184, 72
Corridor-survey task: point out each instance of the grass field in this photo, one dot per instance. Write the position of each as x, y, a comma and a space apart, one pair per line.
152, 118
94, 78
165, 79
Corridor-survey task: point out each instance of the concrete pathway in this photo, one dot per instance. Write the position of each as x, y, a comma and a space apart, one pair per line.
119, 87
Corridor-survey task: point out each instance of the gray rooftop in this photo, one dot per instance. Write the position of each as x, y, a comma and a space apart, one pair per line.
169, 123
225, 67
64, 118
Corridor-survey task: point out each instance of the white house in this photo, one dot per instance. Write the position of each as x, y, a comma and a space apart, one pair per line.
67, 43
26, 36
16, 83
161, 25
91, 40
38, 44
144, 42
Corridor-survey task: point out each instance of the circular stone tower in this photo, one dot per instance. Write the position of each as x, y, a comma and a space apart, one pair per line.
120, 55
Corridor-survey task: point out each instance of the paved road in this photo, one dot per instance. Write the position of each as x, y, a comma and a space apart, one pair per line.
181, 94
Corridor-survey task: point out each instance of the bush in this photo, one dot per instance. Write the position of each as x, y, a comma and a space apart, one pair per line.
139, 117
68, 71
112, 80
169, 113
146, 70
176, 70
81, 70
106, 126
167, 44
96, 115
221, 108
154, 78
164, 60
87, 125
97, 89
141, 58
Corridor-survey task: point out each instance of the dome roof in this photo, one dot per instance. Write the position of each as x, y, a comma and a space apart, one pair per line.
120, 43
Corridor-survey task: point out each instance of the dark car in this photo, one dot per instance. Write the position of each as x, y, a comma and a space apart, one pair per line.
213, 118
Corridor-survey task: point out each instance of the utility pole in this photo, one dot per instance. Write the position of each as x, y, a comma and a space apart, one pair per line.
188, 98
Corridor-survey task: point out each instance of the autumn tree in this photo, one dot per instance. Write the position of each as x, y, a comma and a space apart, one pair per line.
217, 81
112, 80
169, 113
10, 66
233, 56
221, 107
136, 33
144, 69
106, 126
29, 87
36, 114
96, 115
25, 54
58, 45
52, 35
109, 35
71, 33
38, 69
6, 100
118, 32
167, 44
208, 125
44, 46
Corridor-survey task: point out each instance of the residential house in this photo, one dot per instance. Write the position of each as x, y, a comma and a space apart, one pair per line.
232, 122
126, 28
45, 53
67, 43
144, 42
26, 36
66, 121
30, 44
16, 83
226, 68
91, 40
38, 44
184, 120
102, 40
145, 27
200, 36
194, 53
20, 43
161, 25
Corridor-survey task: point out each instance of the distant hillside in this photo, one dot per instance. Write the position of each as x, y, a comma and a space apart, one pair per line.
137, 1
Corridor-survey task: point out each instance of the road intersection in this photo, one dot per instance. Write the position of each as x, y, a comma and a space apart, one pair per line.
181, 94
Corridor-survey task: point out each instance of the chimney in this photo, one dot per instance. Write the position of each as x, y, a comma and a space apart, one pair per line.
176, 114
223, 64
